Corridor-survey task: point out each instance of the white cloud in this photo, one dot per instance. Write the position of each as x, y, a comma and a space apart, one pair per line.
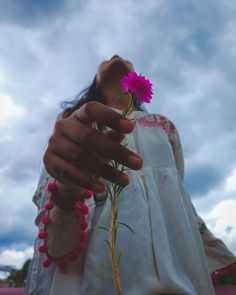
15, 258
3, 80
230, 184
222, 221
218, 209
9, 109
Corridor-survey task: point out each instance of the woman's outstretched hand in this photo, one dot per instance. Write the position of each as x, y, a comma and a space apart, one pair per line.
77, 152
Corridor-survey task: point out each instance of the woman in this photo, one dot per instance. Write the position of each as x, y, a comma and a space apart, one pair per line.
166, 254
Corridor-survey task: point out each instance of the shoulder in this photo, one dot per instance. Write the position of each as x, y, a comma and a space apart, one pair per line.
161, 122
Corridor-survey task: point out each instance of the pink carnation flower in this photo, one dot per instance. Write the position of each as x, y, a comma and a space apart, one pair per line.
138, 85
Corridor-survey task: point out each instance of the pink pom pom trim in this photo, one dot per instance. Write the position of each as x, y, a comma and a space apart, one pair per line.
47, 262
84, 209
88, 194
78, 214
49, 205
80, 211
46, 219
51, 186
43, 248
84, 224
42, 234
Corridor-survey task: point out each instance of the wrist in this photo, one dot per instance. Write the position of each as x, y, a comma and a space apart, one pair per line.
65, 197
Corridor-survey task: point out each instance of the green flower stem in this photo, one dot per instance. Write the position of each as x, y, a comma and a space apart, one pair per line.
114, 225
115, 268
125, 112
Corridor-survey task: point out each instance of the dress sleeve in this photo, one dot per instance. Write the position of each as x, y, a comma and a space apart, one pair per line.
220, 259
39, 279
41, 196
178, 152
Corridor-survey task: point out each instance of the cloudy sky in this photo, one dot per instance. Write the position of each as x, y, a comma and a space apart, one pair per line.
50, 50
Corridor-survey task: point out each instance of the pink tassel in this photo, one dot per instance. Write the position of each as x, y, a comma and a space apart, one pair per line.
88, 194
84, 224
79, 215
84, 209
43, 248
51, 186
49, 205
78, 204
47, 262
80, 210
46, 219
42, 234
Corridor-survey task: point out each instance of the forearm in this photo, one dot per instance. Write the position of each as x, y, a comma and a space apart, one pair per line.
62, 232
63, 229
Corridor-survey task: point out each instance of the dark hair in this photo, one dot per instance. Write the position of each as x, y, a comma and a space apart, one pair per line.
91, 93
88, 94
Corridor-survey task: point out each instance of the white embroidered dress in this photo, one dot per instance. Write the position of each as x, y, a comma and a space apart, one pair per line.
165, 255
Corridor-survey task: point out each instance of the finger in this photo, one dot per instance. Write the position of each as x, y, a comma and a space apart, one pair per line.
86, 161
101, 145
66, 174
97, 112
115, 135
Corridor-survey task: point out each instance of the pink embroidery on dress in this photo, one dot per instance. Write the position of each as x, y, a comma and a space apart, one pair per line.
161, 122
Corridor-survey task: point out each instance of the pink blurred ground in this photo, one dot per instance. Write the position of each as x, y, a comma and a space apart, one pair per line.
225, 290
11, 291
222, 290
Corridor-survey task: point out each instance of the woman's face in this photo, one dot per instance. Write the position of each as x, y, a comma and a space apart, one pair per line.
114, 68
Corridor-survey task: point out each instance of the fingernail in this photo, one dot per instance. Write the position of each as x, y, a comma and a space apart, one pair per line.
126, 124
135, 162
124, 180
122, 136
98, 187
